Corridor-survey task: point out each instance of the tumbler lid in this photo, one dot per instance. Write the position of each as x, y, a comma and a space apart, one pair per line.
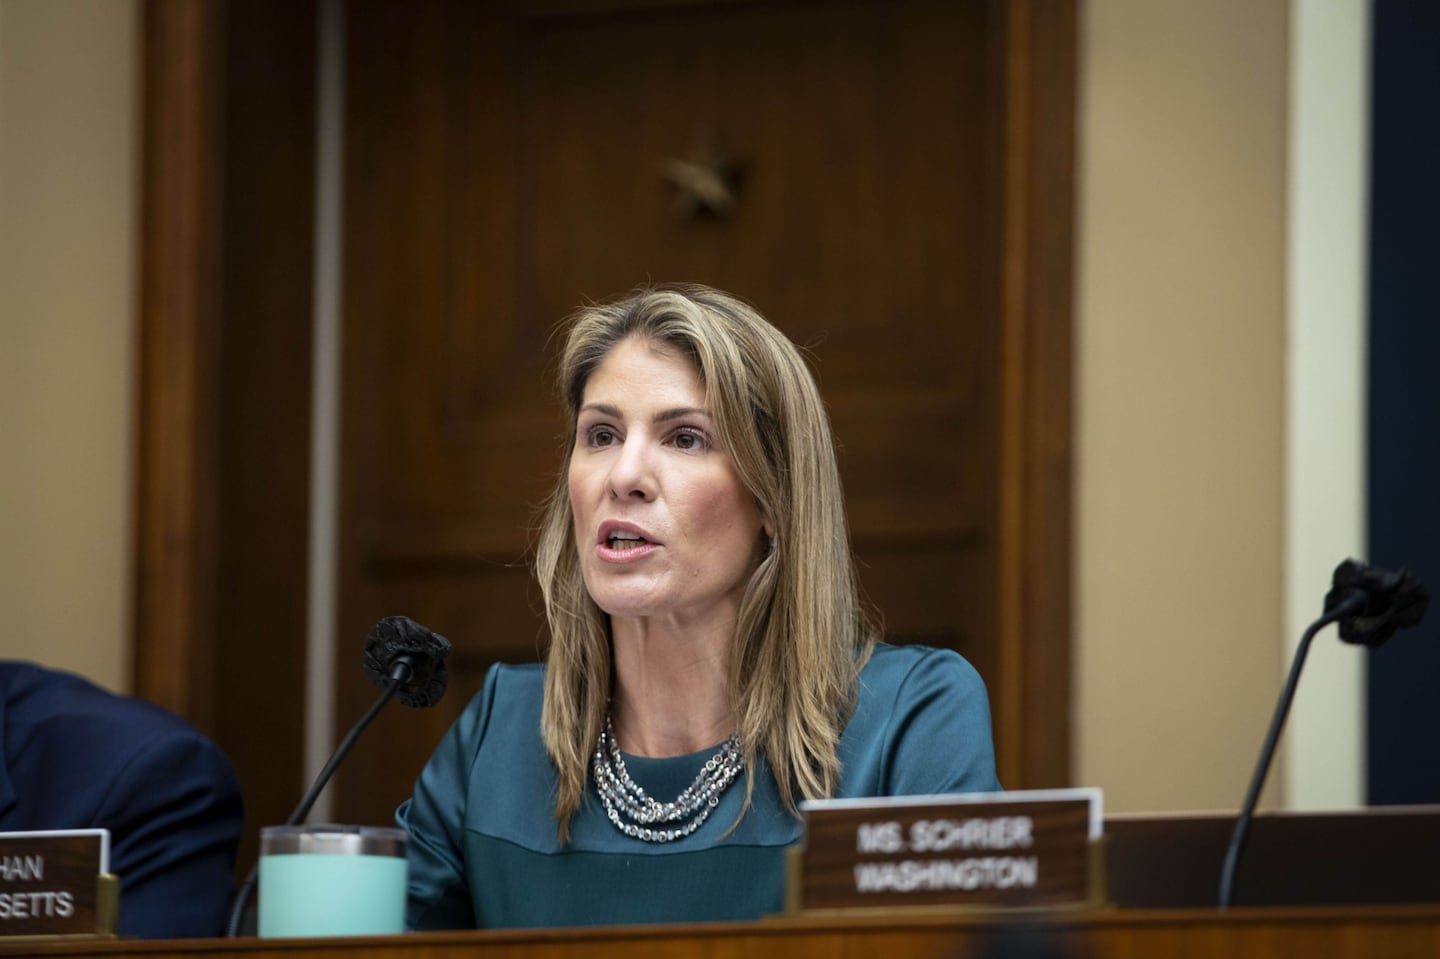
333, 839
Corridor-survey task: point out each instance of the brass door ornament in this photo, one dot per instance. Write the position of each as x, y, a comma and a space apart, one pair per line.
705, 180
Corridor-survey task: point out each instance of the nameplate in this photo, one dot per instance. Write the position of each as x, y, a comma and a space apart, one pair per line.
57, 883
1035, 848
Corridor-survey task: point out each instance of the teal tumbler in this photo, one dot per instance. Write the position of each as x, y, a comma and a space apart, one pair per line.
327, 880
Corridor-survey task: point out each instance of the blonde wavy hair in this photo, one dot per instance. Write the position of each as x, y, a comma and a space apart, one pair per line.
802, 634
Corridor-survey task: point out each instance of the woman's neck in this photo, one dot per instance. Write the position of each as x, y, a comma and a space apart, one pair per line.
672, 690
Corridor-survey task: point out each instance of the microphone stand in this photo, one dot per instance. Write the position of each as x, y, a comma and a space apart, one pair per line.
1352, 605
400, 673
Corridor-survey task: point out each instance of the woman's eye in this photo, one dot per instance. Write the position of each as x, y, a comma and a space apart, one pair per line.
600, 436
689, 441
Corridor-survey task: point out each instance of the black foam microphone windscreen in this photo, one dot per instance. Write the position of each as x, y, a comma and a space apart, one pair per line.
398, 638
1392, 600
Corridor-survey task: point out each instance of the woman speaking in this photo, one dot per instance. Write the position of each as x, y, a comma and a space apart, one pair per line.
710, 664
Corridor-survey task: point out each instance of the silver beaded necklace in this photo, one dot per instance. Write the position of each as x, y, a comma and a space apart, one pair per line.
633, 811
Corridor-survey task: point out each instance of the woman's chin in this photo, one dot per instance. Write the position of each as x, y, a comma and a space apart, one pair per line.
619, 605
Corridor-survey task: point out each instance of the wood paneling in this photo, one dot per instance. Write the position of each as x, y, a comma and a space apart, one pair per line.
177, 408
1037, 243
903, 177
902, 209
225, 337
265, 387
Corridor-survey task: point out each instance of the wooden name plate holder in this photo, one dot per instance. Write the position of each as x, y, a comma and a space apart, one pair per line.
57, 883
1036, 849
1376, 855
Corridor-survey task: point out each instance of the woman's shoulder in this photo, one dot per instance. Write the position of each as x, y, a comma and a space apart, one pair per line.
510, 694
921, 726
516, 679
891, 669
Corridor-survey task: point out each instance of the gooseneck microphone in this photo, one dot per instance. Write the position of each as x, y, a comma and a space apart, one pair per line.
397, 641
1369, 604
407, 662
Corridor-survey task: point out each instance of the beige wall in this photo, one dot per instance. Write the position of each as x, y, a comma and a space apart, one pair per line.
67, 237
1180, 420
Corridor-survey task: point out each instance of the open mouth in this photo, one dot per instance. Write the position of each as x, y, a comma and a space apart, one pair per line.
621, 540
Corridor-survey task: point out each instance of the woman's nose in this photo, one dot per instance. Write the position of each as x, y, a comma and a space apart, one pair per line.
632, 472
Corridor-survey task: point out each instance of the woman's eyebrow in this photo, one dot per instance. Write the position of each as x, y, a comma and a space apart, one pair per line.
680, 413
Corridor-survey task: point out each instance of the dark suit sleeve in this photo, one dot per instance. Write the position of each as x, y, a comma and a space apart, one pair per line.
175, 819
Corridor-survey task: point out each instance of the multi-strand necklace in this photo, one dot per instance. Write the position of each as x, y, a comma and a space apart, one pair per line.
633, 811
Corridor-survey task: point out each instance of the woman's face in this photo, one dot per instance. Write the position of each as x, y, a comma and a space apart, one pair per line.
663, 524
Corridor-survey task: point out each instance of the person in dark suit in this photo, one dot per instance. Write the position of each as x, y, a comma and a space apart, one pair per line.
78, 757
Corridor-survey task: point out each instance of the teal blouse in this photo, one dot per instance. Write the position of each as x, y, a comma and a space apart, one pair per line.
483, 846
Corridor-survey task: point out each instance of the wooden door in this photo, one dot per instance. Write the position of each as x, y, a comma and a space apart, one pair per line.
882, 163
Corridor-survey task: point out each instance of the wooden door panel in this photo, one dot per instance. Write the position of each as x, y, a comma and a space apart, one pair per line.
937, 594
505, 164
855, 209
911, 466
445, 395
